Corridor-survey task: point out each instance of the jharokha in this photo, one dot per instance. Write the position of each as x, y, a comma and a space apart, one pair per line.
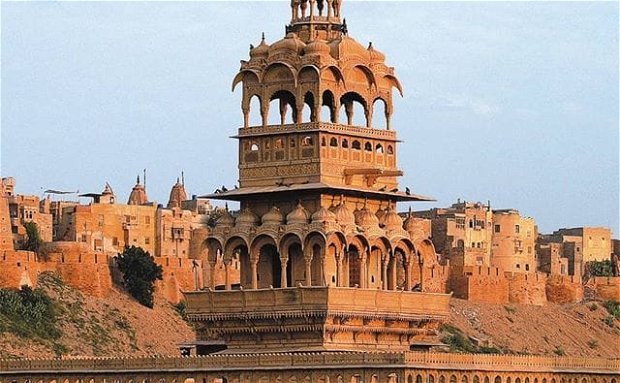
318, 259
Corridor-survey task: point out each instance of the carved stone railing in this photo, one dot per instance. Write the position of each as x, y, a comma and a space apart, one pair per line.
358, 131
434, 361
215, 305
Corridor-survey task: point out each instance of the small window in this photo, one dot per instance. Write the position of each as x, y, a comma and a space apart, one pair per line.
292, 142
390, 150
254, 147
333, 142
368, 147
278, 143
323, 141
147, 220
379, 149
345, 143
147, 241
356, 145
518, 266
517, 229
527, 267
497, 228
307, 141
471, 223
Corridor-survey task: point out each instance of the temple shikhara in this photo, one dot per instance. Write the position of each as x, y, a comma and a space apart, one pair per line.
326, 263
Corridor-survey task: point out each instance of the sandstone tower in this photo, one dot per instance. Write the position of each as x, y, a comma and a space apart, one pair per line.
326, 263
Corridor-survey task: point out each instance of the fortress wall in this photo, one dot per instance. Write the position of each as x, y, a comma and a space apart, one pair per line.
179, 274
607, 288
564, 289
479, 284
435, 279
527, 288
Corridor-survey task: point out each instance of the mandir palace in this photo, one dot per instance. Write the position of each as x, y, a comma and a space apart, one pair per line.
323, 281
326, 261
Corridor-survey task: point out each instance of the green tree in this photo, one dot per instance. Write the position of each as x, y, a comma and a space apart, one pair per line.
33, 237
601, 268
139, 273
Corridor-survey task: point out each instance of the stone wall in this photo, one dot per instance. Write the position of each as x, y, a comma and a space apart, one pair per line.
564, 289
607, 288
527, 288
479, 284
179, 274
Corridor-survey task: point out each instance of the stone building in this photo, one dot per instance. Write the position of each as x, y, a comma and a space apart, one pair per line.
514, 242
326, 262
581, 245
462, 233
27, 208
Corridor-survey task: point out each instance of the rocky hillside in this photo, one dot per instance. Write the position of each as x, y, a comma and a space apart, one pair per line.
584, 329
118, 326
114, 326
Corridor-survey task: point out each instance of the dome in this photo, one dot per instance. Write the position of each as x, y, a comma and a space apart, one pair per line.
391, 220
225, 219
317, 48
138, 195
380, 213
177, 195
410, 223
298, 215
343, 215
291, 43
261, 51
273, 217
375, 55
347, 47
247, 217
366, 218
323, 215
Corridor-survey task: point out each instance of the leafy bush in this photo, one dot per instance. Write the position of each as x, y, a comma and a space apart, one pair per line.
33, 237
139, 273
613, 307
28, 313
559, 351
601, 268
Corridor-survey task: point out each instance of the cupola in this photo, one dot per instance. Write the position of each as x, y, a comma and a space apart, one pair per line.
291, 44
247, 217
273, 217
299, 215
261, 51
138, 194
323, 215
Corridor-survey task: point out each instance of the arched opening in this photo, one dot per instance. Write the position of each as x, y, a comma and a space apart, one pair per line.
255, 117
308, 111
235, 248
269, 268
476, 379
374, 267
353, 109
295, 268
396, 271
354, 266
380, 114
464, 379
498, 379
282, 108
418, 379
317, 266
453, 379
328, 107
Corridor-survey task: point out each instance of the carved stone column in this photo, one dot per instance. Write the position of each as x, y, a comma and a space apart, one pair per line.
363, 270
308, 264
408, 275
283, 279
227, 264
254, 272
212, 275
384, 268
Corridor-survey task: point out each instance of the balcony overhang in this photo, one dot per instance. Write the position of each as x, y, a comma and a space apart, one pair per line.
245, 193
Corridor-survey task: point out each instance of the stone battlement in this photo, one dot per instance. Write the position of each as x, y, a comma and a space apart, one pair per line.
248, 362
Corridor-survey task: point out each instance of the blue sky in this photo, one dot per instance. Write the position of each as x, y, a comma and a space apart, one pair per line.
513, 102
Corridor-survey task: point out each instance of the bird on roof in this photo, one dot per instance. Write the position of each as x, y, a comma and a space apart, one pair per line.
407, 191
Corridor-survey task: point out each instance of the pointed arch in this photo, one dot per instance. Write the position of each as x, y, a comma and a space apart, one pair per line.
370, 76
279, 71
333, 73
245, 75
393, 81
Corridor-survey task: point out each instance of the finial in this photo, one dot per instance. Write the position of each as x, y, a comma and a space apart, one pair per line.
138, 179
409, 210
370, 46
182, 178
342, 199
365, 202
177, 179
226, 207
263, 37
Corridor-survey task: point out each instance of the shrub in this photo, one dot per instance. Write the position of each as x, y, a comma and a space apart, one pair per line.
28, 313
559, 351
601, 268
139, 274
33, 237
613, 307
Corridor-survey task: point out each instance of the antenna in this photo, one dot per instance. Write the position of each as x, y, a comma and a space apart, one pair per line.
182, 178
144, 179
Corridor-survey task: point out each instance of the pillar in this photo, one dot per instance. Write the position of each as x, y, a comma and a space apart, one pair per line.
408, 275
254, 272
227, 264
283, 279
212, 275
384, 269
338, 269
363, 269
308, 264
